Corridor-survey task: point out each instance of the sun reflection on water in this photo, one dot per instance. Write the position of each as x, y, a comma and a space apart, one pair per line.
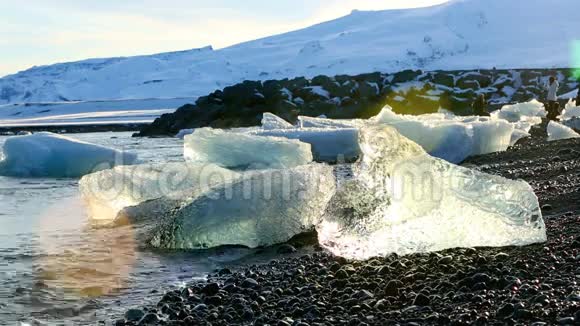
79, 259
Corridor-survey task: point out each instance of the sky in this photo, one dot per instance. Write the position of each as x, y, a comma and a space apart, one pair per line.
39, 32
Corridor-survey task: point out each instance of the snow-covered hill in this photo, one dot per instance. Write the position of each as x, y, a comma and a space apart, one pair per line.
461, 34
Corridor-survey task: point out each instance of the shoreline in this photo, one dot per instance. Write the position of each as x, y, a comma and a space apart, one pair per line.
73, 128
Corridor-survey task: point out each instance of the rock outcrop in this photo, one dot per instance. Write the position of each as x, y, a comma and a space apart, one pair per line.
360, 96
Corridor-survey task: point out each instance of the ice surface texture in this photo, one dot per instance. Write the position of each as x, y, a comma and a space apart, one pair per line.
449, 137
261, 208
46, 154
328, 145
399, 199
570, 111
402, 200
531, 112
571, 115
271, 121
245, 151
108, 192
557, 131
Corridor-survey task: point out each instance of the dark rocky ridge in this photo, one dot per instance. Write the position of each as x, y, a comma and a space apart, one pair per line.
533, 285
361, 96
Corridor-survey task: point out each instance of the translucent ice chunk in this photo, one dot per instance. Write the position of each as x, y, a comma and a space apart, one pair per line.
449, 137
261, 208
573, 123
271, 121
242, 150
557, 131
45, 154
491, 136
532, 112
328, 144
570, 111
403, 201
517, 135
310, 122
107, 192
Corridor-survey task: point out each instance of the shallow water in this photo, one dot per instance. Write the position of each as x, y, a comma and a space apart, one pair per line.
55, 268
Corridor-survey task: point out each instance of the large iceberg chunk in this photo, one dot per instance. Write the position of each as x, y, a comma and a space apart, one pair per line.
557, 131
531, 112
403, 201
242, 150
46, 154
107, 192
448, 137
261, 208
328, 144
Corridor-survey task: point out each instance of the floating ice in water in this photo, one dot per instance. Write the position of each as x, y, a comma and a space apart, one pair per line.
107, 192
558, 131
244, 150
532, 112
328, 145
261, 208
404, 201
271, 121
46, 154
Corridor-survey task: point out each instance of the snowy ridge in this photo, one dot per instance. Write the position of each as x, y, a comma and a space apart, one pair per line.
461, 34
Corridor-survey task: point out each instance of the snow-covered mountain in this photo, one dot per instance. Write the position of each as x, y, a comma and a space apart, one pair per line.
461, 34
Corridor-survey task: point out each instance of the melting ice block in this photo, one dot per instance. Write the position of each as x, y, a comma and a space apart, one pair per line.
271, 121
571, 115
319, 122
403, 201
245, 150
107, 192
328, 144
449, 137
261, 208
531, 112
46, 154
570, 111
558, 131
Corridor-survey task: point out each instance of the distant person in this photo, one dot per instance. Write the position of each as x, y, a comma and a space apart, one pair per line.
578, 98
479, 106
553, 106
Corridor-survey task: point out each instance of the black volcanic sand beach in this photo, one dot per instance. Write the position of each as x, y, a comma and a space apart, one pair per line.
533, 285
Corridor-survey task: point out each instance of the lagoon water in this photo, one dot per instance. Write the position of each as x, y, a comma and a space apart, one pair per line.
57, 269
